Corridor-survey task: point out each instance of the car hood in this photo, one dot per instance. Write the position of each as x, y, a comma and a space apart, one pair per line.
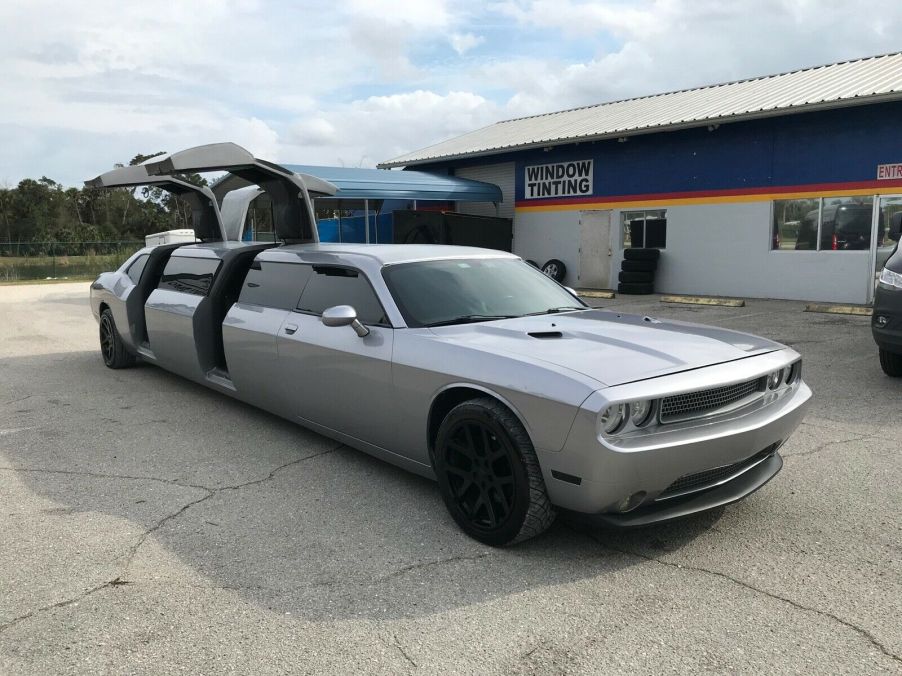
607, 346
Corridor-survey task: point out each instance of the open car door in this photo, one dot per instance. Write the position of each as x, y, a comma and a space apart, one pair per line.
293, 217
205, 209
207, 227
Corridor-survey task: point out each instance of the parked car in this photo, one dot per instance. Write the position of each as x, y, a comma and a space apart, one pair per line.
886, 320
470, 367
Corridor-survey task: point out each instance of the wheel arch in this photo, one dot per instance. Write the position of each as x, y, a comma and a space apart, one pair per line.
456, 393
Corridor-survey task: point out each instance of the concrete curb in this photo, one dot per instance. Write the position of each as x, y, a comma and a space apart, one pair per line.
703, 300
594, 293
840, 309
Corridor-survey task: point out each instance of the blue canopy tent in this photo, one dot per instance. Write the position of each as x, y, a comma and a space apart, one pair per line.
367, 190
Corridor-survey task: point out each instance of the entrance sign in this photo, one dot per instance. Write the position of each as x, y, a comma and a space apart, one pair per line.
562, 179
886, 172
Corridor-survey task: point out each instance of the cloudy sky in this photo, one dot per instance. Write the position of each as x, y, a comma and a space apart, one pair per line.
86, 85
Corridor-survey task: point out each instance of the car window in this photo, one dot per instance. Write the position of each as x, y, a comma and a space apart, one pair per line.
329, 286
189, 275
432, 292
136, 268
276, 285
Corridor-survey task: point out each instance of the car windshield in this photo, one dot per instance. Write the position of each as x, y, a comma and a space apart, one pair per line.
457, 291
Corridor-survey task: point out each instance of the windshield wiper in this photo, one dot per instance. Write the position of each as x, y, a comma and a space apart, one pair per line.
469, 319
555, 310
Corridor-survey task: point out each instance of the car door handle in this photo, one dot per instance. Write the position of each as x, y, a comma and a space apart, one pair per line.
291, 328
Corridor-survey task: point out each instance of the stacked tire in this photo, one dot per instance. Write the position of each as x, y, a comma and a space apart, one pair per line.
637, 272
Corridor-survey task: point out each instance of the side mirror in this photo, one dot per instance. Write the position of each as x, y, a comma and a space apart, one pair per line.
895, 226
344, 315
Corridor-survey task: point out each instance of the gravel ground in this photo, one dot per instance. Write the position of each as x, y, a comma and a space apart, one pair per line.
148, 525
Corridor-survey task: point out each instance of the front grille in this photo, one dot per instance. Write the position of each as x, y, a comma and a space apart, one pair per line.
693, 404
709, 477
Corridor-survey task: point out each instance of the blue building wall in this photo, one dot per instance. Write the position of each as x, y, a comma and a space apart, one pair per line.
809, 149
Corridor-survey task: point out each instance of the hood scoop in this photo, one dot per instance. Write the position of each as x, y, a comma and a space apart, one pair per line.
545, 335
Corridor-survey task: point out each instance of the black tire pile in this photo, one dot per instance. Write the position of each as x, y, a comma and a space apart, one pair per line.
637, 272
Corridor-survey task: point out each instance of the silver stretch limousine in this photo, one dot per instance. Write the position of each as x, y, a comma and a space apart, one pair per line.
465, 365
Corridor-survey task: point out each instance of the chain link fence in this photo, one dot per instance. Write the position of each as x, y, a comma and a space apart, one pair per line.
25, 261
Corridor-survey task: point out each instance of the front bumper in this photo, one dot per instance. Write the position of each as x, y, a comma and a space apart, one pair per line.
593, 477
734, 490
886, 321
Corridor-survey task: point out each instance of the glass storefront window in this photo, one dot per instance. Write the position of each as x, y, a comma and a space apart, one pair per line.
644, 229
824, 224
795, 224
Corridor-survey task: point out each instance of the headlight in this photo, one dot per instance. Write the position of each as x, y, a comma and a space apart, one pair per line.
793, 372
612, 418
640, 412
890, 278
775, 379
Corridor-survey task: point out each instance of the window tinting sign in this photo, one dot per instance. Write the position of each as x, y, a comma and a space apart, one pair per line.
562, 179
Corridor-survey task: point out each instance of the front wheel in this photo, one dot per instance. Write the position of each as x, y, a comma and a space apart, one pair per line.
891, 363
115, 356
489, 476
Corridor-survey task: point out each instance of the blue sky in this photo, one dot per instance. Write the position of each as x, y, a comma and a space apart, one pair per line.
86, 85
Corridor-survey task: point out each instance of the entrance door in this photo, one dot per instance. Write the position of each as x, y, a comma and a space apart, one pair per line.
888, 209
594, 249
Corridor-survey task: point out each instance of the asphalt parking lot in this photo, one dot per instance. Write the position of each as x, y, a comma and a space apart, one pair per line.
148, 525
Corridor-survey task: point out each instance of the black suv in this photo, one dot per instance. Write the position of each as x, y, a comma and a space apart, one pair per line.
886, 323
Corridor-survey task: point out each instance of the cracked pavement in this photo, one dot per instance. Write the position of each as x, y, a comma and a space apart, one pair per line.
148, 525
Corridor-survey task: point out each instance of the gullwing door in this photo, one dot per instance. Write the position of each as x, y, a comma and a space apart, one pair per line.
291, 194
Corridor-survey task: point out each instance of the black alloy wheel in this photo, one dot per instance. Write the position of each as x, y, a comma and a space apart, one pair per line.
489, 475
112, 349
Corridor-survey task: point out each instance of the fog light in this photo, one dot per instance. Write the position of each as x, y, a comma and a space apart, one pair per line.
630, 503
881, 320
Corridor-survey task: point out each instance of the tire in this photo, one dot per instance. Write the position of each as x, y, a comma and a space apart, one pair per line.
633, 277
532, 263
112, 349
555, 269
638, 266
641, 254
501, 501
891, 363
635, 289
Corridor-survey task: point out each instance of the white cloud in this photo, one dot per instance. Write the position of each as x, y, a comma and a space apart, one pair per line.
464, 42
87, 85
374, 129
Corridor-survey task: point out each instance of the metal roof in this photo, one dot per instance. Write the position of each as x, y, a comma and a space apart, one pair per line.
868, 80
382, 184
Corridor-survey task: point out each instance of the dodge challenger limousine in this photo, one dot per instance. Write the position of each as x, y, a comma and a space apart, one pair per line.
465, 365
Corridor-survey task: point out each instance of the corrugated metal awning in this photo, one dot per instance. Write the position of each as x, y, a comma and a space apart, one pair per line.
869, 80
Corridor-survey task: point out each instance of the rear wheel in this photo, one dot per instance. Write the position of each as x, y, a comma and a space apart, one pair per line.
891, 363
489, 475
115, 356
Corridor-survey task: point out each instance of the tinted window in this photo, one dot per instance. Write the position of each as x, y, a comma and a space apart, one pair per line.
456, 291
330, 286
277, 285
189, 275
136, 268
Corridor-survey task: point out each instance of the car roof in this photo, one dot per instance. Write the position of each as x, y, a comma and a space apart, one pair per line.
383, 254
